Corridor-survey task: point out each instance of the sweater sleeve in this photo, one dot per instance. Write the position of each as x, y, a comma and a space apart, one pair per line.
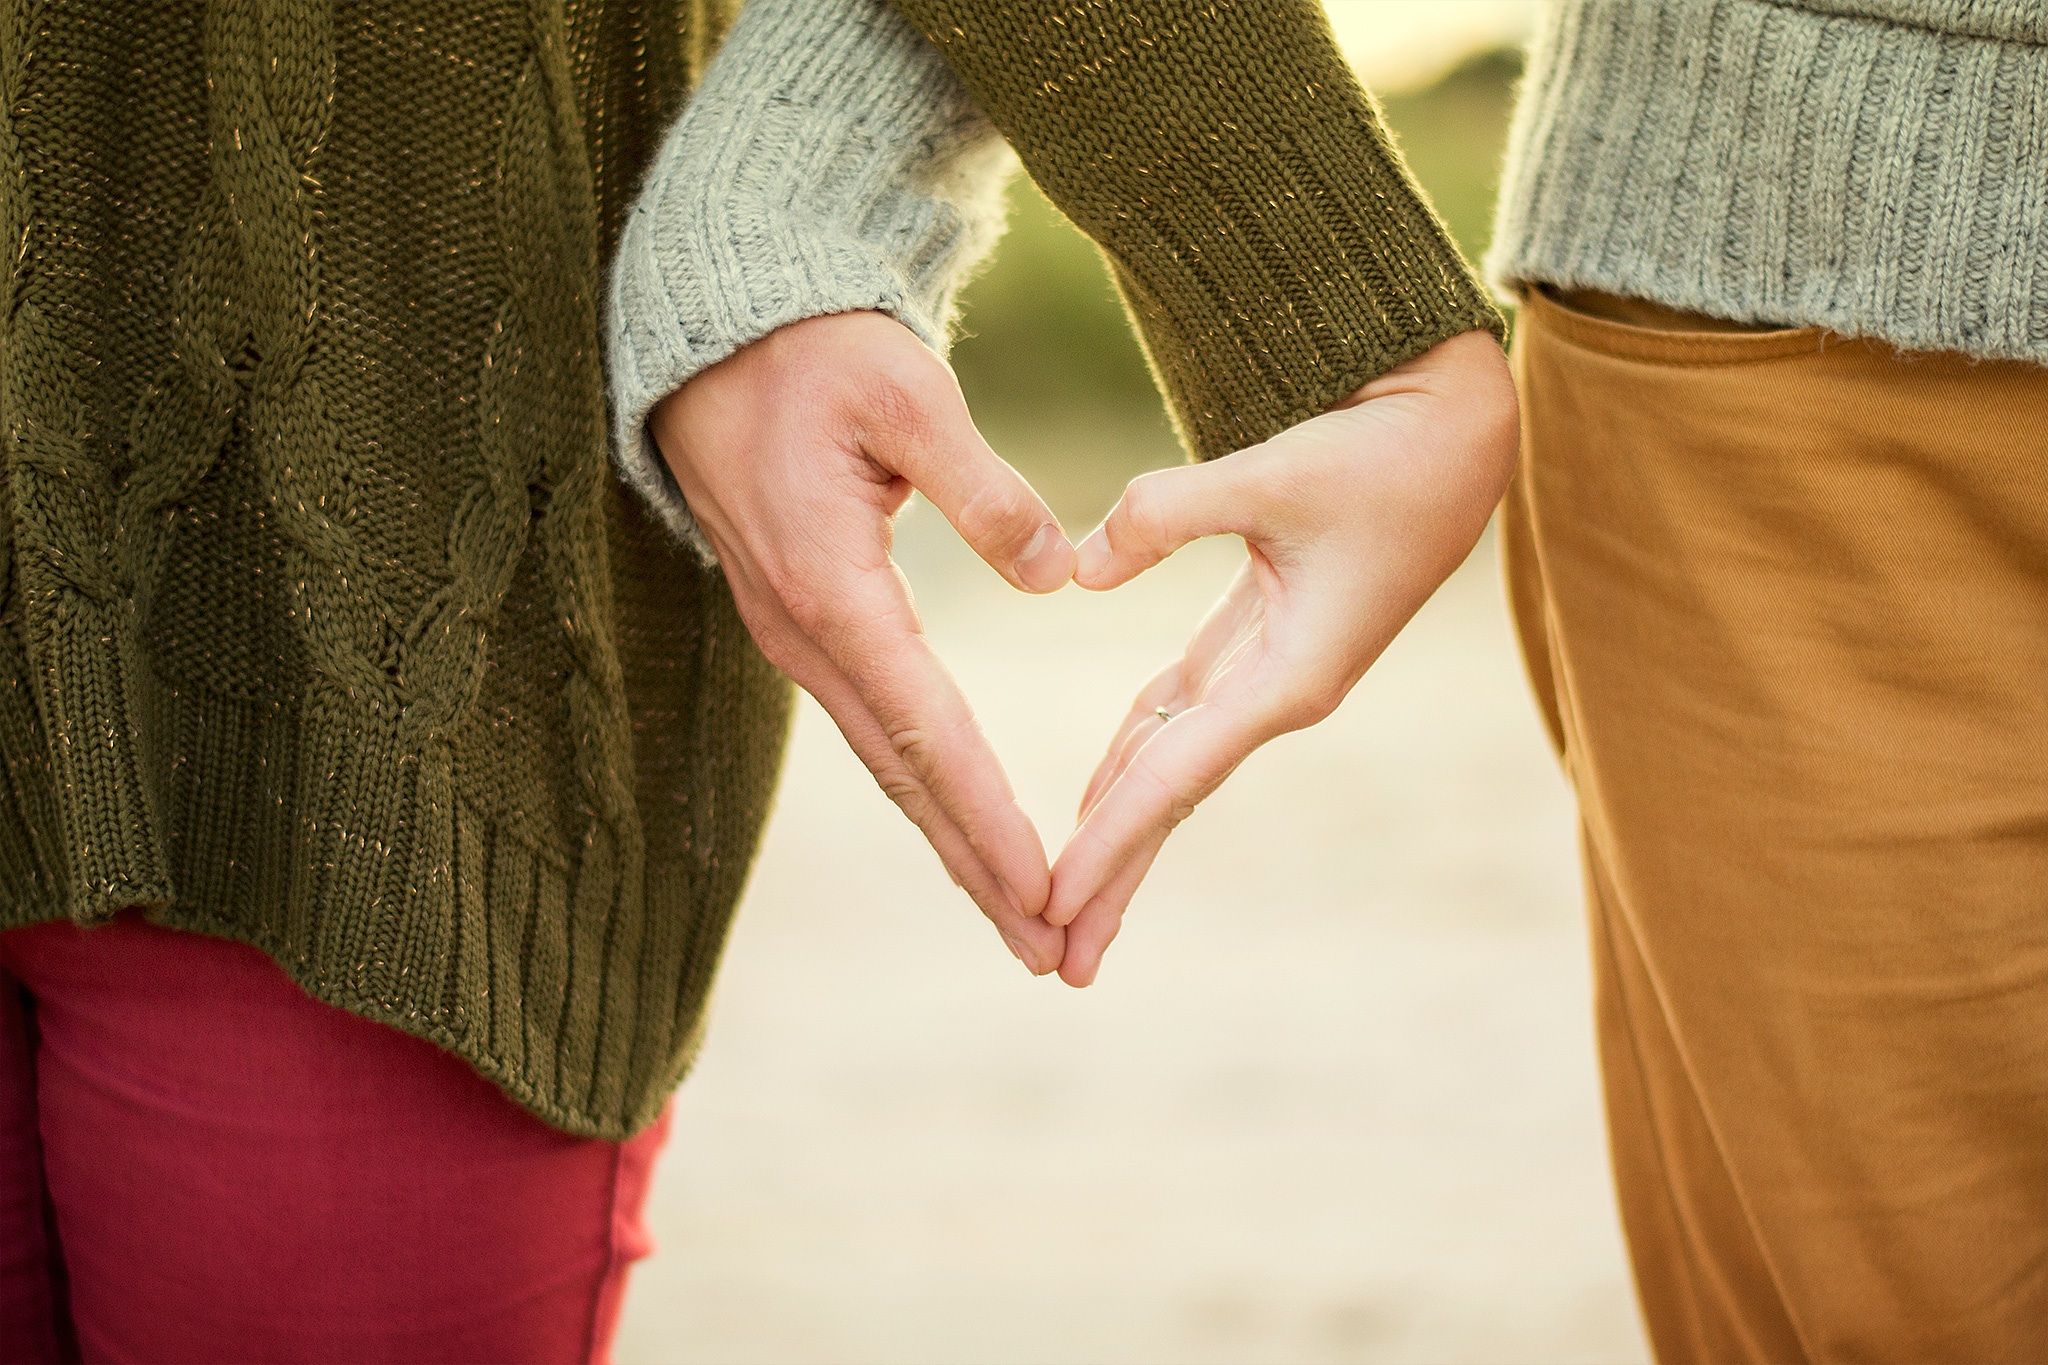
829, 161
1261, 227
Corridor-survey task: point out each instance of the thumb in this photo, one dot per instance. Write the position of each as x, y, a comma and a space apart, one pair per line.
1000, 516
1161, 511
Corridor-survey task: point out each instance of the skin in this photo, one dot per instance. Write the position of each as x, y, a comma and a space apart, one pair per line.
796, 454
1350, 520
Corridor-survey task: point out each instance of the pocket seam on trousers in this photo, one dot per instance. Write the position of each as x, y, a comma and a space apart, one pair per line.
1670, 346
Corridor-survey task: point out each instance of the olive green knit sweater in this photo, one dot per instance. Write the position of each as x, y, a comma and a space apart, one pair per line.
323, 623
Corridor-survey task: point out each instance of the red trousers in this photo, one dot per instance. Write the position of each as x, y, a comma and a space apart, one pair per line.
199, 1162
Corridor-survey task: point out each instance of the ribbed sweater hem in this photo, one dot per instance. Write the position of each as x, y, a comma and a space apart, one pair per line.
575, 984
1768, 162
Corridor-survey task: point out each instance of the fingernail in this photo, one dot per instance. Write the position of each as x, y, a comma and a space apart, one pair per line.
1048, 560
1017, 951
1093, 556
1010, 896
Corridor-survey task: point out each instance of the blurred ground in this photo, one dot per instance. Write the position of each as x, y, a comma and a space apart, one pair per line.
1333, 1098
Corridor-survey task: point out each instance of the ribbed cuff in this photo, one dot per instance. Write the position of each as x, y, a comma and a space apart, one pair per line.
1264, 231
829, 162
1773, 163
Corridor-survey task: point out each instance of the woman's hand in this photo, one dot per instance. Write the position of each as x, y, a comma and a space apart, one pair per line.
1351, 519
795, 454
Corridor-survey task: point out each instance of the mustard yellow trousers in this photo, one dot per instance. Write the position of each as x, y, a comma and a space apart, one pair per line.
1784, 599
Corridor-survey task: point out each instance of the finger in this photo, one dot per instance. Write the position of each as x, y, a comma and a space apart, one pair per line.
1139, 728
1102, 918
1160, 691
875, 642
843, 703
1156, 705
1164, 781
996, 511
1038, 945
1231, 628
1119, 756
798, 656
1161, 511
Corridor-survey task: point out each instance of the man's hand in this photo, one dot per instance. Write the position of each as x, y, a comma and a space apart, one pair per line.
1351, 520
795, 454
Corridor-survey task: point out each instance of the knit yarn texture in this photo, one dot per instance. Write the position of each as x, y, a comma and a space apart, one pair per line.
1877, 167
324, 623
1256, 217
326, 626
830, 161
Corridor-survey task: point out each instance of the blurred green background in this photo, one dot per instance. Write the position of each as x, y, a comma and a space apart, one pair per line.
1050, 365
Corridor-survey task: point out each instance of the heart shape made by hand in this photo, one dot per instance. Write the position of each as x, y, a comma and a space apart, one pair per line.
1350, 519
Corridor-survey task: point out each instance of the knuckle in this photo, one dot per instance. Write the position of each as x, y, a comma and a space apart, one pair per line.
1310, 706
779, 650
1143, 509
810, 608
1316, 708
997, 516
1175, 803
779, 573
901, 788
913, 745
895, 395
807, 612
808, 598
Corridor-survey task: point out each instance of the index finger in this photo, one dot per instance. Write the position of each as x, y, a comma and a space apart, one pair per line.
1185, 760
1039, 945
878, 646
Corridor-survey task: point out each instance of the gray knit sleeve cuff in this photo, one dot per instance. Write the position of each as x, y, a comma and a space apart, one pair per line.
829, 162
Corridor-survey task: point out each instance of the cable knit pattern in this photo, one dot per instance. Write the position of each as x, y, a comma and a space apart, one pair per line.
73, 680
1878, 167
324, 623
829, 162
327, 627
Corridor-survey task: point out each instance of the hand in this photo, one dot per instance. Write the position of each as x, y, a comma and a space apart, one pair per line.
1351, 519
795, 454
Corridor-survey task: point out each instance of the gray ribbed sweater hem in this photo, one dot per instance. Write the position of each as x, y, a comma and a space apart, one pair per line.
829, 162
1767, 161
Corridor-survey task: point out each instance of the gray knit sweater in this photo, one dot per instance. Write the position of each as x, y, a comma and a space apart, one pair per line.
829, 161
1878, 167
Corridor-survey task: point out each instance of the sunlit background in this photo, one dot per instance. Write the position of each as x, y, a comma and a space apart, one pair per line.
1333, 1098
